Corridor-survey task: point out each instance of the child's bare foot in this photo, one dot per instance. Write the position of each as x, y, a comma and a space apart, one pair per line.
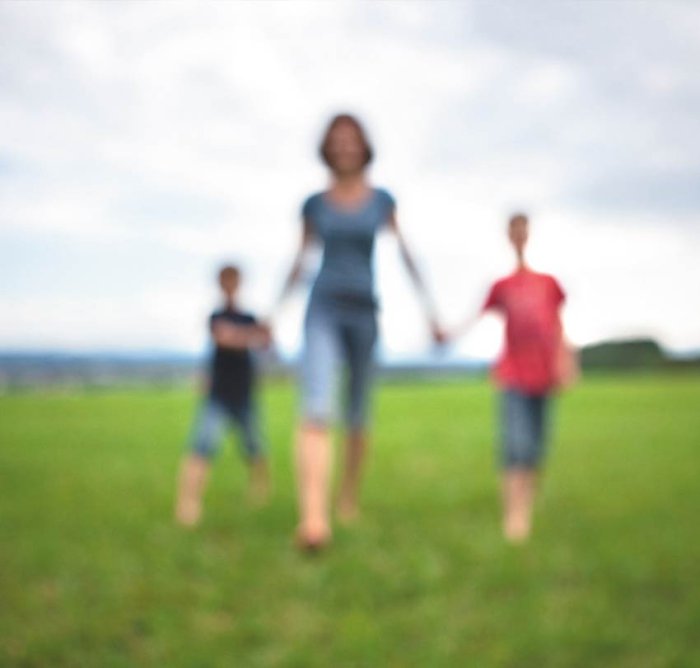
313, 537
188, 512
193, 477
516, 529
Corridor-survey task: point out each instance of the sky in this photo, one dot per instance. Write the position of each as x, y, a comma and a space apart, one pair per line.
143, 144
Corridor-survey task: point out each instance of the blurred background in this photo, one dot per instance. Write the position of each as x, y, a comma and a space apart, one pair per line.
142, 144
145, 143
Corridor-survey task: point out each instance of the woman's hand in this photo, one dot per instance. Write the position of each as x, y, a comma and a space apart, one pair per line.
439, 334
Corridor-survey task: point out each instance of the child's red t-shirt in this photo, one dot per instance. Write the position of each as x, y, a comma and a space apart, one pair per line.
530, 303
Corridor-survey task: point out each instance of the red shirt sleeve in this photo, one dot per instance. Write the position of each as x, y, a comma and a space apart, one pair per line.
558, 294
493, 300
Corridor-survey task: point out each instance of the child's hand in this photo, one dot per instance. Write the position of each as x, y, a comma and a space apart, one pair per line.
264, 335
567, 365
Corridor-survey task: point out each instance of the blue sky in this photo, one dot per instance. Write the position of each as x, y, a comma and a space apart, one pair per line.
144, 143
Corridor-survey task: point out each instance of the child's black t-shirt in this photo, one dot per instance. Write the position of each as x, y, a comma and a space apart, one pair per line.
232, 370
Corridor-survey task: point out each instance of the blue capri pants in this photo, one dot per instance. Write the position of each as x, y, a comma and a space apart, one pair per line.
338, 336
215, 417
524, 428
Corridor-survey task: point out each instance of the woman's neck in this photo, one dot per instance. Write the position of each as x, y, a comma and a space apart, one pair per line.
349, 187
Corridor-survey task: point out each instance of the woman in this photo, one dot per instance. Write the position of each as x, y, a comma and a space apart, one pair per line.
340, 325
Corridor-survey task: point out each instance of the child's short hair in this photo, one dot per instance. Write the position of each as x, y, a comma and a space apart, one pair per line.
228, 271
517, 217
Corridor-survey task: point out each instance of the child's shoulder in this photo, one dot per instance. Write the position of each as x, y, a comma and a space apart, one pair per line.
502, 281
549, 279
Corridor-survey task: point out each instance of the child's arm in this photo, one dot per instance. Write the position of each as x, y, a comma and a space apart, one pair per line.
568, 367
240, 337
492, 302
463, 327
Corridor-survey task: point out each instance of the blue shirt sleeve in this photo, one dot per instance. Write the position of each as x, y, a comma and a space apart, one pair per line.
387, 203
308, 209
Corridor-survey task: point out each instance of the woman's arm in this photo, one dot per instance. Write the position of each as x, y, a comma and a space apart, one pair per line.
297, 268
418, 282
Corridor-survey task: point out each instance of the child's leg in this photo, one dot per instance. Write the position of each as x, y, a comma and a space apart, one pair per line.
246, 417
195, 466
194, 473
519, 486
522, 450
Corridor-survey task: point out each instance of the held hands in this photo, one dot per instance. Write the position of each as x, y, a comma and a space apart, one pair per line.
439, 334
443, 336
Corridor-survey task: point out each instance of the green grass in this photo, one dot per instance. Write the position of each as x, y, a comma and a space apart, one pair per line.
94, 573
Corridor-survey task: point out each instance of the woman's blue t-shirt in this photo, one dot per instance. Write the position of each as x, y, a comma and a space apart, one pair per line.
348, 244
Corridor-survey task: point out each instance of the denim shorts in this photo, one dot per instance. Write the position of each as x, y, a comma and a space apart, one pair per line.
215, 417
524, 427
338, 336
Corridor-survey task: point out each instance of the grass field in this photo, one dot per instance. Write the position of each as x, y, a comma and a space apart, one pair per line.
94, 573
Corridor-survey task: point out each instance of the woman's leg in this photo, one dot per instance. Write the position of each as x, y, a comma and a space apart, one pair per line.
194, 470
313, 454
359, 340
313, 466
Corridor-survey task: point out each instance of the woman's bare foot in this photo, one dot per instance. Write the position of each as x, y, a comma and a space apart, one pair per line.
313, 538
348, 511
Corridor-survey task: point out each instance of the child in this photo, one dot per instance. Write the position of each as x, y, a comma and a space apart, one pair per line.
535, 362
230, 400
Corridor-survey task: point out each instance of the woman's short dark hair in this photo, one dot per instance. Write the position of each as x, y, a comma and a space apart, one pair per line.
339, 119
